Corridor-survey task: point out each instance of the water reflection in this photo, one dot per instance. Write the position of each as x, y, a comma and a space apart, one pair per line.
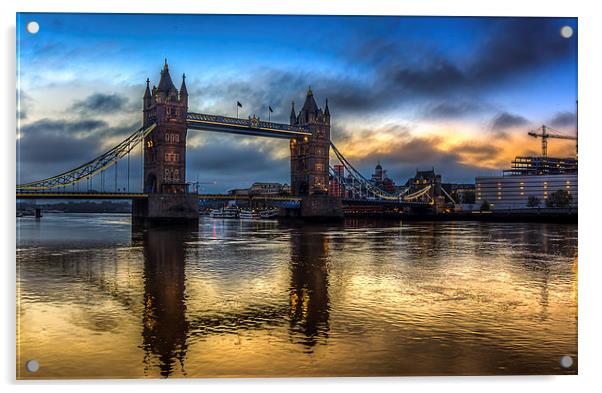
231, 298
309, 306
164, 324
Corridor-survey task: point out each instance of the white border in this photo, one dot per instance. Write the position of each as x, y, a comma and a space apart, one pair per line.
590, 68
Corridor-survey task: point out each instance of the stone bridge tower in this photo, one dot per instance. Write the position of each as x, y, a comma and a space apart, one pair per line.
165, 153
310, 155
165, 146
310, 161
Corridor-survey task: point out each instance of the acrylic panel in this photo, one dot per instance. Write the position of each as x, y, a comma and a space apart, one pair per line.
277, 196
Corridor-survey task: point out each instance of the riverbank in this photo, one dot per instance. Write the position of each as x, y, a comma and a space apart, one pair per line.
569, 216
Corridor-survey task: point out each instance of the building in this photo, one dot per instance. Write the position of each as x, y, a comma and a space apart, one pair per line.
239, 192
381, 180
530, 178
377, 176
336, 186
262, 188
461, 193
537, 165
259, 188
423, 179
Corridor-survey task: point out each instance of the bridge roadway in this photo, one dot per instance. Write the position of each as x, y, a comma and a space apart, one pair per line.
252, 126
289, 201
136, 195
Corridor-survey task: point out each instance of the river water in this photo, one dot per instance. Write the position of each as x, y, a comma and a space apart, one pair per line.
98, 299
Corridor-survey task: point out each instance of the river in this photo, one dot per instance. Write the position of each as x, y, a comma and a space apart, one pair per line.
98, 299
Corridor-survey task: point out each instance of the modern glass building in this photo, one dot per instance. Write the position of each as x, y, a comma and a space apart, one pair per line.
528, 178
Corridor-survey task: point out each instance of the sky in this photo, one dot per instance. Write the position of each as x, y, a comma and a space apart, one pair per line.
455, 94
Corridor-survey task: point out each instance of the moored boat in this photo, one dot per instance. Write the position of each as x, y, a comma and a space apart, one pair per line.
269, 213
249, 214
225, 212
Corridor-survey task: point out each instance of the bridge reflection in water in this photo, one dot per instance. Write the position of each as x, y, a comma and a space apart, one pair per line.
166, 328
238, 298
164, 324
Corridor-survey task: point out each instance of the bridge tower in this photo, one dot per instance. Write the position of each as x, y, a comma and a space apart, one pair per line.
165, 153
310, 160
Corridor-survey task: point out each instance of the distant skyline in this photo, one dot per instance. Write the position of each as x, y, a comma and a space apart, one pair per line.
456, 94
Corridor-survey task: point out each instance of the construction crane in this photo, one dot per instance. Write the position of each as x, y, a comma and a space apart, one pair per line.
544, 134
196, 185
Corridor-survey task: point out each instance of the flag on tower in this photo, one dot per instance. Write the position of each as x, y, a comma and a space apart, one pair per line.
270, 108
238, 104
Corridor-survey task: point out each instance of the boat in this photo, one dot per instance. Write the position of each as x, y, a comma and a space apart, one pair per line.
249, 214
225, 212
269, 213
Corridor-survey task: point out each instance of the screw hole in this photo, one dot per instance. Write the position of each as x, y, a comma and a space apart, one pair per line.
566, 361
566, 31
33, 27
32, 366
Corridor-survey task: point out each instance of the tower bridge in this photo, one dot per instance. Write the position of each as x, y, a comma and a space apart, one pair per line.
166, 120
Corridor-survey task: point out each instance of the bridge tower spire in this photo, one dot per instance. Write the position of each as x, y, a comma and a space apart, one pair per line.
184, 91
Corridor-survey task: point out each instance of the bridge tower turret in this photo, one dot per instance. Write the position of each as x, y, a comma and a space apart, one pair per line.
310, 155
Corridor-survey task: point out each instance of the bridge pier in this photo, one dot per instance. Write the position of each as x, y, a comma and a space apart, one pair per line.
165, 208
317, 208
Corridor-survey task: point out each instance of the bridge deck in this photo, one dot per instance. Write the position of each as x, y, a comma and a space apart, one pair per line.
80, 195
134, 195
232, 125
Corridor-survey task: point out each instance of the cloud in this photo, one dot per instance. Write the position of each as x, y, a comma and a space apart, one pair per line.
101, 103
396, 75
517, 45
564, 120
48, 147
24, 104
235, 162
402, 153
454, 109
504, 121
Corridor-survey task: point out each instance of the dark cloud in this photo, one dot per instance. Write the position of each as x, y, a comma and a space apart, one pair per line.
64, 127
406, 153
478, 151
49, 147
404, 159
564, 120
454, 109
101, 103
506, 120
399, 75
517, 45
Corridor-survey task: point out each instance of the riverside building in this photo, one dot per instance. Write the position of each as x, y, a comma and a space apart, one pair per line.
536, 177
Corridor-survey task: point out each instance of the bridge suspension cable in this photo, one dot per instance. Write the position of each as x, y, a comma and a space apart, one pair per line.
93, 167
366, 184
